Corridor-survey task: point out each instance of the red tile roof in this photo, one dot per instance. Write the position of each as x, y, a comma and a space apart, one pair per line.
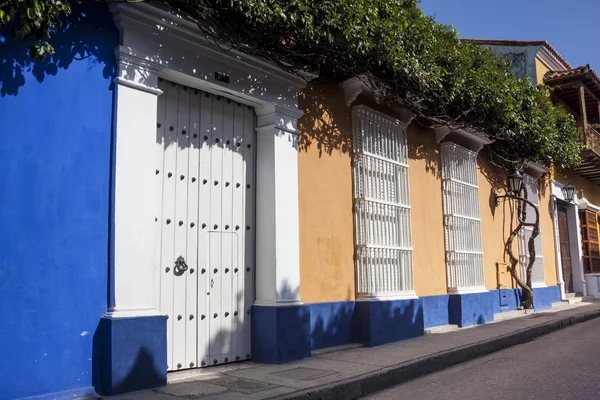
553, 75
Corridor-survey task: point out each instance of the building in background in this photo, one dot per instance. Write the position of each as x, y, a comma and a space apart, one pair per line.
577, 90
172, 206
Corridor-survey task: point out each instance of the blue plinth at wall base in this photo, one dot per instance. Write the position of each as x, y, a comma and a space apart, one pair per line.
470, 309
505, 300
331, 324
378, 322
544, 297
435, 310
133, 353
81, 393
280, 334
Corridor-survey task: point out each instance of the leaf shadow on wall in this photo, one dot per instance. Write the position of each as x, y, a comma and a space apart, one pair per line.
327, 121
82, 37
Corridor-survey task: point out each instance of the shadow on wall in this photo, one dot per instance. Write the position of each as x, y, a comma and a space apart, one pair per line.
75, 41
327, 122
427, 149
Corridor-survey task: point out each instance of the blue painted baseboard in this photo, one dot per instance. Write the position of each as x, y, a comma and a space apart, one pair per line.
81, 393
544, 297
505, 300
331, 324
435, 310
280, 334
380, 322
470, 309
133, 354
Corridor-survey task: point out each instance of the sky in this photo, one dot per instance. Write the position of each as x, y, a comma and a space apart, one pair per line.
568, 25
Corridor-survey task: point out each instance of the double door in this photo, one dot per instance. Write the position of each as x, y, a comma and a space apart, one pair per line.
204, 239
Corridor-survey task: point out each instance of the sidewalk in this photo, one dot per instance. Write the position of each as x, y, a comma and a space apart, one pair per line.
355, 372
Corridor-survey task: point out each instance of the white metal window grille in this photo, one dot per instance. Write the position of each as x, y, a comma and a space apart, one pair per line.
537, 273
383, 251
462, 222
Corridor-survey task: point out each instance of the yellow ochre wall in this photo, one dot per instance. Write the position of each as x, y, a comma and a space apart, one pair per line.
495, 223
325, 196
540, 70
327, 271
427, 217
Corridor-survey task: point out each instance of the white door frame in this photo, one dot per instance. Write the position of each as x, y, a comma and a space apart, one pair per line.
155, 43
579, 284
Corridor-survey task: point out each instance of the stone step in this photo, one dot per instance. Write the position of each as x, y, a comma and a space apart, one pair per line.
579, 299
441, 329
333, 349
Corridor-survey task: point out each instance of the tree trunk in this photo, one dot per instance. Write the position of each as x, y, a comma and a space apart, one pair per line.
526, 286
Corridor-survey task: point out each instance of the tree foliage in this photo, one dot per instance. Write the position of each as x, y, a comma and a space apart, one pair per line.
404, 56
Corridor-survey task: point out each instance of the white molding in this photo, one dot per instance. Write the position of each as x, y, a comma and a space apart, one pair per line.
177, 44
405, 116
133, 277
557, 252
133, 313
536, 169
550, 60
277, 212
356, 86
475, 140
352, 88
593, 284
468, 290
156, 43
408, 295
585, 204
579, 283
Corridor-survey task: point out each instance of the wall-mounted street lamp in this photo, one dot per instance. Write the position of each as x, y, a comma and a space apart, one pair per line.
515, 184
515, 181
569, 192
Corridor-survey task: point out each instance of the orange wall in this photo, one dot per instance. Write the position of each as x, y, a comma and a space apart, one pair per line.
495, 223
540, 70
325, 196
325, 199
590, 190
426, 212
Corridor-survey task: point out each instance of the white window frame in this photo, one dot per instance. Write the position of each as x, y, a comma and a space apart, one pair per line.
383, 232
537, 273
462, 220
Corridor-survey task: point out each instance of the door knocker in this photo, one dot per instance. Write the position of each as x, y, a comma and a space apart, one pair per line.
180, 266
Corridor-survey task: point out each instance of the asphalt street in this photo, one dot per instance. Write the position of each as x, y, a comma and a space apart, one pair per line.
561, 365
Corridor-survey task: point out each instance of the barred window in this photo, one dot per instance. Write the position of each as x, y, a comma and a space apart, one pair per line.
462, 222
383, 250
537, 273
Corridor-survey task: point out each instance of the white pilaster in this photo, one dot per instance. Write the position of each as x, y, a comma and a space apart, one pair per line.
277, 235
559, 271
133, 291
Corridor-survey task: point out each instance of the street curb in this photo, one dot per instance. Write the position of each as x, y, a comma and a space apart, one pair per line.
360, 386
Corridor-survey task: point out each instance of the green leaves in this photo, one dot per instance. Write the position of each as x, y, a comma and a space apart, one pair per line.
34, 20
408, 59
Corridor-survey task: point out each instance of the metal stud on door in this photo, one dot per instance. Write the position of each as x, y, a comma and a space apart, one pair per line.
205, 243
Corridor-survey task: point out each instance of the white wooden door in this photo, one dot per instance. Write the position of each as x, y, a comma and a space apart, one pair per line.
205, 225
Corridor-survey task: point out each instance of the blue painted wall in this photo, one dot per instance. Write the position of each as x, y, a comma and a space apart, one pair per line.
505, 300
544, 297
331, 324
435, 310
55, 130
470, 309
